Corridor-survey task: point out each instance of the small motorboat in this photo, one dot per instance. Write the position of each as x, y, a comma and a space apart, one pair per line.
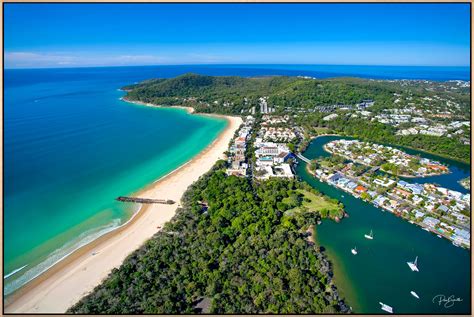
386, 308
415, 294
354, 251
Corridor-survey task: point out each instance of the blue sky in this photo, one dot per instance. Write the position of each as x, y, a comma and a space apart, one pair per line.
69, 35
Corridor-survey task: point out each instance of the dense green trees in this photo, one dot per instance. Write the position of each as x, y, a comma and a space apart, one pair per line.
233, 94
382, 133
243, 254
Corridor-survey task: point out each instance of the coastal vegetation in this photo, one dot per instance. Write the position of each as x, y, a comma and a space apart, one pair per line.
231, 94
230, 248
307, 100
466, 182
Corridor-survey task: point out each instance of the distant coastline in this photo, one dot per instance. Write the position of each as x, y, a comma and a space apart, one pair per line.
189, 110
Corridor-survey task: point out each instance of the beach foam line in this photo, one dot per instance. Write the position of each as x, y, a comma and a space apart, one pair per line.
58, 255
14, 271
87, 238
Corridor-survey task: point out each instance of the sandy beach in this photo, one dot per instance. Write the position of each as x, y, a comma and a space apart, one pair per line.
66, 282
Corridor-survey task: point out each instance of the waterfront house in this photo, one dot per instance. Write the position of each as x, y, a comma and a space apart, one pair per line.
459, 217
443, 208
372, 193
462, 233
417, 199
379, 201
384, 182
393, 204
431, 222
360, 189
351, 185
446, 226
334, 177
454, 194
402, 193
416, 189
419, 214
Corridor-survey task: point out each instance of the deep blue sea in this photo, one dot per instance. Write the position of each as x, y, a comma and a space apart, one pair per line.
71, 147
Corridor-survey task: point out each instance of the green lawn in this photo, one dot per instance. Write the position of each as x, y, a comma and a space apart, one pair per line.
320, 130
316, 203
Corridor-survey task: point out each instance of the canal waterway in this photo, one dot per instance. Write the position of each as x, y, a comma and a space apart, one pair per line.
379, 272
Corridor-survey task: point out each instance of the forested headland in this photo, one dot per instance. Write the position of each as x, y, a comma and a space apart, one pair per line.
298, 98
231, 248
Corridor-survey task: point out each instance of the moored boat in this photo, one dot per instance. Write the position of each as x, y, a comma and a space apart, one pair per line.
413, 265
369, 236
386, 308
415, 294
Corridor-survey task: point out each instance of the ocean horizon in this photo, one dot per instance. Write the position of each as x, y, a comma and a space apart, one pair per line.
388, 72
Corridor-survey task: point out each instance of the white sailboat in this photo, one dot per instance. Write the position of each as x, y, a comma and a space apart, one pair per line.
386, 308
413, 265
415, 294
369, 236
354, 251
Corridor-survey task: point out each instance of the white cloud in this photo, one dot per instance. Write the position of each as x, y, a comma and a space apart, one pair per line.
61, 59
29, 59
38, 60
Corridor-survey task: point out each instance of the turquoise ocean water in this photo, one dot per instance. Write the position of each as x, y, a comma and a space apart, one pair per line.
71, 147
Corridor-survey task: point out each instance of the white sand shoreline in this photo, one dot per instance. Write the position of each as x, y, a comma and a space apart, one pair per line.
190, 110
67, 281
